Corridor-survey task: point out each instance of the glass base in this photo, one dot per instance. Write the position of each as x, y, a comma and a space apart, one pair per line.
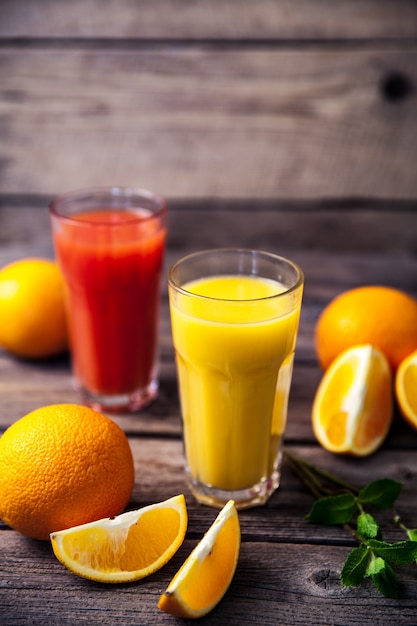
253, 496
119, 403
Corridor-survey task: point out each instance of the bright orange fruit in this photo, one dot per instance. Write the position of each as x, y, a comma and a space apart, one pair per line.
61, 466
381, 316
32, 312
353, 406
406, 388
124, 548
205, 576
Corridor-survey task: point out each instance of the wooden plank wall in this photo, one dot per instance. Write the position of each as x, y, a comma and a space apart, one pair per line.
283, 100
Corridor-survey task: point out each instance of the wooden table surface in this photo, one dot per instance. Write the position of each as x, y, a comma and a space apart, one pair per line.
286, 126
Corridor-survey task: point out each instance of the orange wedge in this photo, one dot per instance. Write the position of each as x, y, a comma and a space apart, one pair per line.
406, 388
205, 576
353, 406
124, 548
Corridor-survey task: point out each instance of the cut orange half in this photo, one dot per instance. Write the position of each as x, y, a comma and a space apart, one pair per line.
124, 548
205, 576
406, 388
353, 405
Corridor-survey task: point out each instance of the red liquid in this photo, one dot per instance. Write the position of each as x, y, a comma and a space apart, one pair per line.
112, 262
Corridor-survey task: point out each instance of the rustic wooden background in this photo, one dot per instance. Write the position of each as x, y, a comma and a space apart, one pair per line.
293, 99
302, 112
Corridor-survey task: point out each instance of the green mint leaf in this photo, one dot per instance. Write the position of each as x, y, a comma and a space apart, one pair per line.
399, 553
412, 534
383, 577
367, 527
333, 510
355, 566
375, 565
380, 493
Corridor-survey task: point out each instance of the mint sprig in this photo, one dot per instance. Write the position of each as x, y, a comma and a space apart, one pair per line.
333, 510
381, 493
339, 503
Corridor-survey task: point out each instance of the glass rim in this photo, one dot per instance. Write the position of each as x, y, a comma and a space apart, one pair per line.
247, 251
108, 192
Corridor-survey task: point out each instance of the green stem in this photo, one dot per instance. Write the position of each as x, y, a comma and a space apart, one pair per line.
321, 489
360, 507
306, 478
352, 532
398, 522
297, 460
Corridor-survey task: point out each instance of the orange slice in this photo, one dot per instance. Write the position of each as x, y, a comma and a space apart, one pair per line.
127, 547
406, 388
205, 576
353, 407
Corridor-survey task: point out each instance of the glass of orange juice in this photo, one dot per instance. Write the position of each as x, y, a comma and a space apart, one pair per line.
234, 317
109, 243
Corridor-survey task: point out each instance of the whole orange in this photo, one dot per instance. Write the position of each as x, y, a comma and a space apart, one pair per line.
32, 311
61, 466
381, 316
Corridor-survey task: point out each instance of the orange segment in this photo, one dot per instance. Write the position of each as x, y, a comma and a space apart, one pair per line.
205, 576
124, 548
406, 388
352, 409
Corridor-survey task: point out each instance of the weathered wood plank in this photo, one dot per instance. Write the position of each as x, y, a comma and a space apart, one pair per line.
306, 227
209, 19
354, 246
388, 259
26, 386
159, 475
284, 569
297, 583
205, 122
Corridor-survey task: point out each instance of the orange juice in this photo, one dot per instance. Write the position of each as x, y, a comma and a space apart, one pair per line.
234, 338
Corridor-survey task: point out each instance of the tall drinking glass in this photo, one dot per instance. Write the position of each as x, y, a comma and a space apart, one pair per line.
234, 316
109, 243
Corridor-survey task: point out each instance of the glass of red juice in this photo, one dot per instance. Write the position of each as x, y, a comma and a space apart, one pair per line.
109, 243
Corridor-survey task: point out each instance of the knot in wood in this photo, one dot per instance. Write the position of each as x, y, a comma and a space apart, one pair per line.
395, 87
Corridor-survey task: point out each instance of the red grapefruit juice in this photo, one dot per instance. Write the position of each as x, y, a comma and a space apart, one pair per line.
112, 260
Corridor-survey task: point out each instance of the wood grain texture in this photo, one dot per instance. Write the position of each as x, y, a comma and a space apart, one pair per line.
338, 248
258, 594
209, 19
279, 570
205, 122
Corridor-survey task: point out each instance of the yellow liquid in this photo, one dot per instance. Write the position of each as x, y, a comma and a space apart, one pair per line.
234, 361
